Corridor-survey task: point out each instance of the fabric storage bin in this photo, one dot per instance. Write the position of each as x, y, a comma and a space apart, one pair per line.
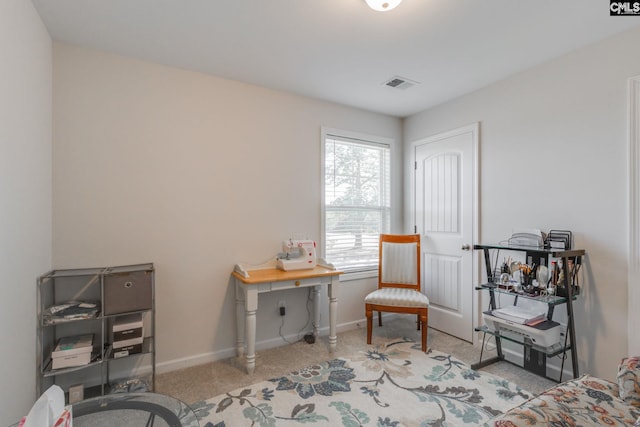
127, 291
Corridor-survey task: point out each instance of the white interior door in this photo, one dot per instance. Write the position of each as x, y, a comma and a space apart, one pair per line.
633, 332
445, 206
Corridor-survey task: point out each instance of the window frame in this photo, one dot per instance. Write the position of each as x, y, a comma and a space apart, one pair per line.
365, 139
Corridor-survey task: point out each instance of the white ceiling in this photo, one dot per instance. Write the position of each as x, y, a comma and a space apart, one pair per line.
340, 50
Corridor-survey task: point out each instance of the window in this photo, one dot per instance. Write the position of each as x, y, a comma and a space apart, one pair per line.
356, 205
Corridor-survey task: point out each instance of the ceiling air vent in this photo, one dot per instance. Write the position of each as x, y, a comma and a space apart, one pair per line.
398, 82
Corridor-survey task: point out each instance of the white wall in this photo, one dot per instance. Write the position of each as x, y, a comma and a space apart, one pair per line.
25, 196
194, 173
553, 155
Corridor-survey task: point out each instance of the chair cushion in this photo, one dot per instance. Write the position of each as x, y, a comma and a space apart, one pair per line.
397, 297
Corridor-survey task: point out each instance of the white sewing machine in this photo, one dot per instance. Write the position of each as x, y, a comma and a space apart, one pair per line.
297, 255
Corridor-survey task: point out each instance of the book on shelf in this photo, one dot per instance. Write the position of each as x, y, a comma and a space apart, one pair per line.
75, 344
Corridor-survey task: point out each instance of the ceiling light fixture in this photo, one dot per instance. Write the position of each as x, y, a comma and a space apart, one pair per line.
382, 5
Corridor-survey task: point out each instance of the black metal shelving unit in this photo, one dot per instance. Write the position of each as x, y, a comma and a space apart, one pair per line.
566, 295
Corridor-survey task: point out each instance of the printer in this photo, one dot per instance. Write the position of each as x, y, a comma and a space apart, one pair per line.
524, 322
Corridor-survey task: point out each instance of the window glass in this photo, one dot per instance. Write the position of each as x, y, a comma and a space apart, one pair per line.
356, 201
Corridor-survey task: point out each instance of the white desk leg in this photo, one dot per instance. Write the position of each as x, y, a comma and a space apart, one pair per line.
251, 306
316, 310
240, 324
333, 314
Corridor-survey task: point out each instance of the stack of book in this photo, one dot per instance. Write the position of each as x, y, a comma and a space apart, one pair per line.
72, 351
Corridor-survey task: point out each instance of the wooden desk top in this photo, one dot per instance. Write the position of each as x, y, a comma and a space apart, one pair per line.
276, 275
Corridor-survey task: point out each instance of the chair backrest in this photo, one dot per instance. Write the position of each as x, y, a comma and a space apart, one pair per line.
399, 262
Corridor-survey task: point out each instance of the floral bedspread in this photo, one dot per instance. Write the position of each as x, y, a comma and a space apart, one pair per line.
391, 385
585, 401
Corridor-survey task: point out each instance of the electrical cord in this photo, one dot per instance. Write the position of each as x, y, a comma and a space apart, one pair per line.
308, 313
487, 343
282, 336
301, 329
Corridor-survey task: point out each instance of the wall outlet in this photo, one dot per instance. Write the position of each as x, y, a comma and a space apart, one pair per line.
282, 306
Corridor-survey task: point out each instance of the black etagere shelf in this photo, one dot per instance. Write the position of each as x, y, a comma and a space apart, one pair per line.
565, 294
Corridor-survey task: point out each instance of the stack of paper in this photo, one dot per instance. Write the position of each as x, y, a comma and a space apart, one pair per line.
70, 310
520, 315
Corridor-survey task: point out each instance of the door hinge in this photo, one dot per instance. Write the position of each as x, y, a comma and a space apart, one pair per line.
415, 165
415, 229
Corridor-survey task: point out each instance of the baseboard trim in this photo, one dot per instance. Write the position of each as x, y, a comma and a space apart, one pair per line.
200, 359
511, 355
195, 360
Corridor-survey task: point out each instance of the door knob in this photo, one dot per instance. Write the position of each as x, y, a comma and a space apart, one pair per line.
466, 247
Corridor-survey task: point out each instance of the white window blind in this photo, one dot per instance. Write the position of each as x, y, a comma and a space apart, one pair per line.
356, 201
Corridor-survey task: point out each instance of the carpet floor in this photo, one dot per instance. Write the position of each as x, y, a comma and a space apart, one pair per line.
205, 381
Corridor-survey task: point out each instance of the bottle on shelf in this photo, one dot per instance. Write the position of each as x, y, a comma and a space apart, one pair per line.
553, 278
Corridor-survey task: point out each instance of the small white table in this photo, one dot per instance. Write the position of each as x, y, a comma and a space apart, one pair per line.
268, 280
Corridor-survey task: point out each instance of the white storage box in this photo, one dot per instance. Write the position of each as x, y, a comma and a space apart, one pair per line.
71, 360
128, 335
72, 351
127, 347
127, 350
127, 327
